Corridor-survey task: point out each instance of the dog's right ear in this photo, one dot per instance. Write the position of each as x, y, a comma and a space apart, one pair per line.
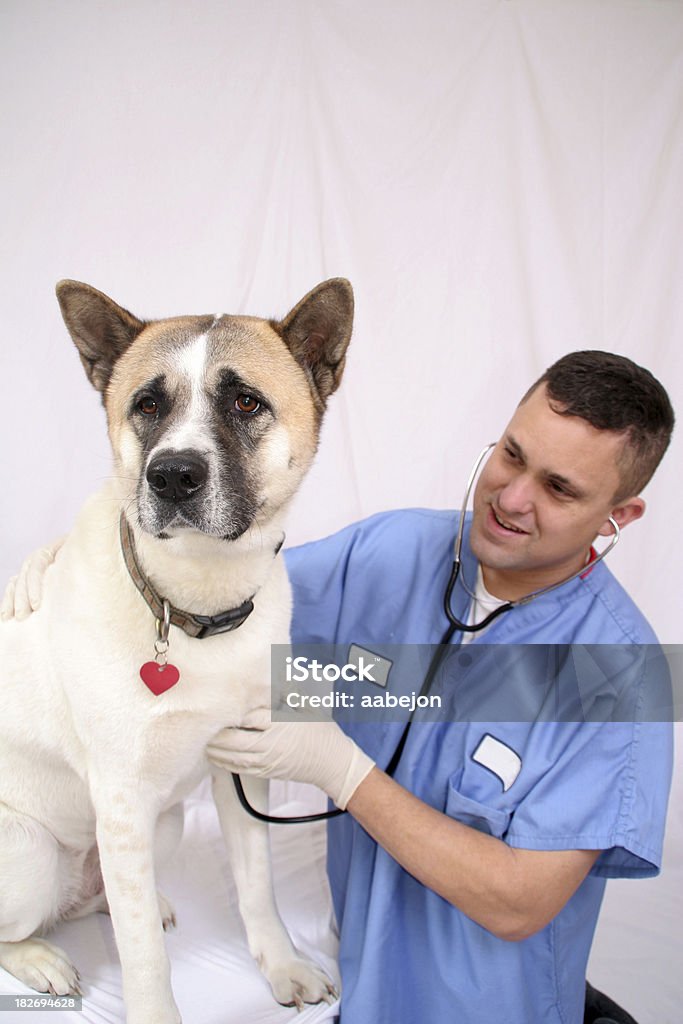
101, 330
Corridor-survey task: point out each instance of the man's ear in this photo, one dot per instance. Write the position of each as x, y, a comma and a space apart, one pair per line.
624, 513
317, 333
101, 330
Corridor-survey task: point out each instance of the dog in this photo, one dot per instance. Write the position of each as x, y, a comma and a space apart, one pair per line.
154, 633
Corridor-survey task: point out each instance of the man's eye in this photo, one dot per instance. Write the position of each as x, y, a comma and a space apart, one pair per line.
511, 454
558, 489
247, 404
148, 406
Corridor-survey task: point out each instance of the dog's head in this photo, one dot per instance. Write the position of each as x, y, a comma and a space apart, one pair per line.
213, 420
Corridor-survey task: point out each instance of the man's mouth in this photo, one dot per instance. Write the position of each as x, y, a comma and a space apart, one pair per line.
505, 524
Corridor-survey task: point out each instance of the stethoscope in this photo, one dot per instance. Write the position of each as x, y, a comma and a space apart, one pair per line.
454, 625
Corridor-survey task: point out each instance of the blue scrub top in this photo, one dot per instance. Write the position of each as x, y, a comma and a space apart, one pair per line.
406, 954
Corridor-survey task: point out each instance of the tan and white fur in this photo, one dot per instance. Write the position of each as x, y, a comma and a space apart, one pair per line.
213, 422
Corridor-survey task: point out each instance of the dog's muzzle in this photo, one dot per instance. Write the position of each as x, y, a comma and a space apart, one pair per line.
182, 490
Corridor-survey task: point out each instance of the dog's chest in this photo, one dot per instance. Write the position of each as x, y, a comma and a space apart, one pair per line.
130, 731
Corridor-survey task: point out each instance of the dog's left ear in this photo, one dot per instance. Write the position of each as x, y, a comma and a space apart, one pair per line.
101, 330
317, 332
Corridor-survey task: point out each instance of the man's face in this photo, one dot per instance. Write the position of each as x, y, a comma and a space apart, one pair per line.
545, 493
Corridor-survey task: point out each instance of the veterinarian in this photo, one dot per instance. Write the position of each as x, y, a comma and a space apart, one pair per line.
467, 887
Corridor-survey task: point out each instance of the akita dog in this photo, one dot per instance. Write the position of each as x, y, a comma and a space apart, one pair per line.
155, 631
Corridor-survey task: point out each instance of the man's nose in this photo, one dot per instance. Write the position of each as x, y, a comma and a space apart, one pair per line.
517, 495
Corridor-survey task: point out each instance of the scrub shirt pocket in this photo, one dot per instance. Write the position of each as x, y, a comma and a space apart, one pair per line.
480, 816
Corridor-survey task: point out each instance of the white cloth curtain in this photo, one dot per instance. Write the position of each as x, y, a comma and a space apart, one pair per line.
500, 179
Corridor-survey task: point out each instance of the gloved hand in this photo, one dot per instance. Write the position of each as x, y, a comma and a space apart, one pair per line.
24, 591
316, 752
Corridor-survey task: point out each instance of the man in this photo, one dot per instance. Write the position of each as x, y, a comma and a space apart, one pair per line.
467, 886
462, 895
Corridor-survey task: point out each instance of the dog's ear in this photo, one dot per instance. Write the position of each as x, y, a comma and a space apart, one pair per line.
101, 330
317, 332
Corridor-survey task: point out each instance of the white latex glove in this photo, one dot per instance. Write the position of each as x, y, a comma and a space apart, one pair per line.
24, 591
316, 752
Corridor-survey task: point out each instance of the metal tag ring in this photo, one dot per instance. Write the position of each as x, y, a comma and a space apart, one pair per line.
163, 627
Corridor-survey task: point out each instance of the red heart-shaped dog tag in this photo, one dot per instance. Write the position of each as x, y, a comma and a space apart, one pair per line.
159, 678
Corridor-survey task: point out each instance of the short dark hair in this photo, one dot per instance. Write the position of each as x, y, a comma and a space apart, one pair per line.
613, 393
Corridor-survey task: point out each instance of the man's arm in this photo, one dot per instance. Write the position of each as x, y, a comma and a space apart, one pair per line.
510, 892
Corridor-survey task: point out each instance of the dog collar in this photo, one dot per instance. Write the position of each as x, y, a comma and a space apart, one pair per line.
198, 626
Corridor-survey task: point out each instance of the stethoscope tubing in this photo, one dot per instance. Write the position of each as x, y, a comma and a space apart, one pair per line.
272, 819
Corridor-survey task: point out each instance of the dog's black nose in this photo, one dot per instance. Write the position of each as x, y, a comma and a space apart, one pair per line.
177, 476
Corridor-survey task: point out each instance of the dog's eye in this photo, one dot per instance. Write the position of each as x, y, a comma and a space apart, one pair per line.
148, 406
247, 404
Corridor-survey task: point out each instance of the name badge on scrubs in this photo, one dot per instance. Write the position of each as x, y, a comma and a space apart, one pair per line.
380, 666
500, 759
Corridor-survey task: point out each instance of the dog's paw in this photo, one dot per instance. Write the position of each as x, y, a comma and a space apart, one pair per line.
168, 918
41, 966
300, 981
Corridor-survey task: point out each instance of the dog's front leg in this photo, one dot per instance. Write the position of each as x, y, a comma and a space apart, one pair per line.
294, 978
126, 818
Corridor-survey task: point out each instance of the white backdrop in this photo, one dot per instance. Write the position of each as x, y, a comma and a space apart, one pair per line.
500, 180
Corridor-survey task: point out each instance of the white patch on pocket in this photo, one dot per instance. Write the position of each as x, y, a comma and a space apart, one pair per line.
499, 759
